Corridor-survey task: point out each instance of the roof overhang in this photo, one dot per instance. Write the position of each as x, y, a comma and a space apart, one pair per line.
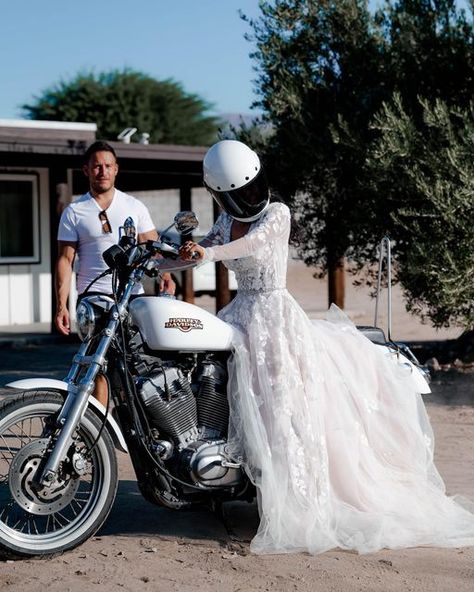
27, 143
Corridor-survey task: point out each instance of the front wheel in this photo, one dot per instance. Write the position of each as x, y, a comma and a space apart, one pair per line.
53, 519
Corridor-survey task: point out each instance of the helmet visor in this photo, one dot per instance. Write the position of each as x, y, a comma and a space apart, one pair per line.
245, 202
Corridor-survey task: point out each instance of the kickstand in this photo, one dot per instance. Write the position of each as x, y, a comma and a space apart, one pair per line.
220, 512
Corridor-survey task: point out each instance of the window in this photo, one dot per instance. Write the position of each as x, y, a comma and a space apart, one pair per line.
19, 219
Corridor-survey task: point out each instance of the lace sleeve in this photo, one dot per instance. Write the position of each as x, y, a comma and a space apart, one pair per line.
275, 225
216, 235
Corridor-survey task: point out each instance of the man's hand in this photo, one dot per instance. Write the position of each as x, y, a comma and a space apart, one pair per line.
62, 321
167, 284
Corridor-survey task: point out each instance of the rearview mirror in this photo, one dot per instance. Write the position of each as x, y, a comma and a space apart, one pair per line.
186, 222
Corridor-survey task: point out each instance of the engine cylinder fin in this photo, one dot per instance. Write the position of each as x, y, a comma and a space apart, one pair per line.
213, 407
170, 402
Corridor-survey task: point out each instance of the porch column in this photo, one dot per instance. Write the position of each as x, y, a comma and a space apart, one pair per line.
58, 200
187, 275
336, 282
222, 275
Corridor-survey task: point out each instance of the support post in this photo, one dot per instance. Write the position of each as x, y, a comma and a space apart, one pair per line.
222, 275
57, 202
336, 281
187, 275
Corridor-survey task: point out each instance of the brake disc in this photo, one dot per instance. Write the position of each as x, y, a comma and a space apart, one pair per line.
45, 500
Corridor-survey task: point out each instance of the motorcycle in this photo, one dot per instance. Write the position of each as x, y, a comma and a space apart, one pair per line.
165, 365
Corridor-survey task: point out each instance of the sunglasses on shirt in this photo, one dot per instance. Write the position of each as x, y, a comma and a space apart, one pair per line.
106, 228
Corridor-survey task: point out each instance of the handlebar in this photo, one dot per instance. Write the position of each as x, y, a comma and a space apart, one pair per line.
160, 246
166, 248
141, 256
154, 266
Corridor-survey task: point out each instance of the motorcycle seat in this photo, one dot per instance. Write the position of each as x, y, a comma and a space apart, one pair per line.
375, 334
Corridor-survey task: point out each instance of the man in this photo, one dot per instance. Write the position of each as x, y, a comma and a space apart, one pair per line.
90, 225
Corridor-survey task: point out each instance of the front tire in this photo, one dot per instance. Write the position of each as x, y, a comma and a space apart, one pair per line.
56, 519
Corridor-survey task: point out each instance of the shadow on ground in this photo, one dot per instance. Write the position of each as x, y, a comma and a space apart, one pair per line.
132, 515
29, 361
451, 388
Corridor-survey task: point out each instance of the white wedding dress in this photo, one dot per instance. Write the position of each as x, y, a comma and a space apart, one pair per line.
332, 431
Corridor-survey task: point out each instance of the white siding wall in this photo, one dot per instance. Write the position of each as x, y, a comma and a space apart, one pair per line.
25, 290
164, 204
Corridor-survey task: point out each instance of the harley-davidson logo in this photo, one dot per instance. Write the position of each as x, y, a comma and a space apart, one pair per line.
183, 324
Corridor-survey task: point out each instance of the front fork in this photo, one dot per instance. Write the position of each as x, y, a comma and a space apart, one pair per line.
78, 393
73, 408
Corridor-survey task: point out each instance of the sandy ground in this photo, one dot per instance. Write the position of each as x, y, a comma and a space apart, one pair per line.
144, 547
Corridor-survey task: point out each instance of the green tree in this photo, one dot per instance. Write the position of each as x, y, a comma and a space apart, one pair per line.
325, 69
427, 51
118, 99
424, 173
318, 62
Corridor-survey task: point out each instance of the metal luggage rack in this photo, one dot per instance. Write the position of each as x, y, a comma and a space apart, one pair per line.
385, 245
385, 251
375, 333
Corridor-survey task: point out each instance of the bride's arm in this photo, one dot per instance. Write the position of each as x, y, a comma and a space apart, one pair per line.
216, 235
196, 251
276, 224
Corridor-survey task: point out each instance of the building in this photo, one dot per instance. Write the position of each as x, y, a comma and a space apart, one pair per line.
40, 172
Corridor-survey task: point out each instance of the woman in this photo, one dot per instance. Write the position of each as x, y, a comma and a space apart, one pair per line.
334, 433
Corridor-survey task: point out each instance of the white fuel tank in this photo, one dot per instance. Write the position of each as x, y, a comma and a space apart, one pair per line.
167, 324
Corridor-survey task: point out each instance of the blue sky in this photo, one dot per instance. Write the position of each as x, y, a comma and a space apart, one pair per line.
199, 43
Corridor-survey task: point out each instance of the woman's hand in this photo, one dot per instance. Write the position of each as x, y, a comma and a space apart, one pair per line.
191, 252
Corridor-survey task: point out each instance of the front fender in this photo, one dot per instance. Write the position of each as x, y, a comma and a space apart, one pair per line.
30, 384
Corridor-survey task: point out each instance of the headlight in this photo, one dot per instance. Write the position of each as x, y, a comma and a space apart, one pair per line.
85, 320
89, 313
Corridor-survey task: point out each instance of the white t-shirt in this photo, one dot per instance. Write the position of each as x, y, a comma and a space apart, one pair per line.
80, 223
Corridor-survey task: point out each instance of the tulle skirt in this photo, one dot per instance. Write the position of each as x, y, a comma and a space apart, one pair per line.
334, 435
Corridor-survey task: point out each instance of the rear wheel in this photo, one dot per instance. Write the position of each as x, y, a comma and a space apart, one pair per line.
47, 520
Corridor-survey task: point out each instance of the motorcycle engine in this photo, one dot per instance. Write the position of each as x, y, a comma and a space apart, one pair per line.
171, 404
197, 424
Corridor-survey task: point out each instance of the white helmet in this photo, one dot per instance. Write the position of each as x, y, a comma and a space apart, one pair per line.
234, 177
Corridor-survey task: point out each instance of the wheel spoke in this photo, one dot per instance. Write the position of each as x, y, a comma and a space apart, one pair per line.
23, 435
5, 511
7, 447
74, 502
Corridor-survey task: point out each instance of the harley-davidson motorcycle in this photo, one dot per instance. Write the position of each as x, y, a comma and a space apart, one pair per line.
165, 365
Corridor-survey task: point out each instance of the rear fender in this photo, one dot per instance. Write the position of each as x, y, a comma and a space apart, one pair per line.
419, 377
30, 384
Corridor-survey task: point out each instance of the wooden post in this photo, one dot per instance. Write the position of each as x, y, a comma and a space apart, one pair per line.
187, 275
222, 275
336, 282
57, 182
222, 286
